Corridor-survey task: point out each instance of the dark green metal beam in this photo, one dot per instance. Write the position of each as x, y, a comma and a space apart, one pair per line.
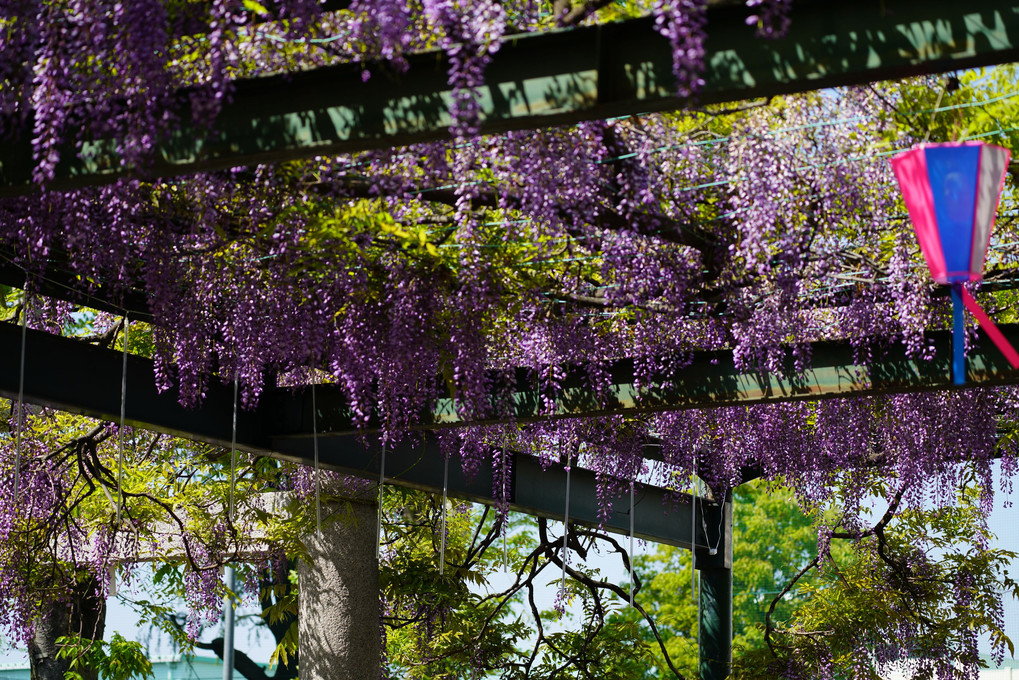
711, 379
560, 77
81, 378
85, 379
58, 281
419, 463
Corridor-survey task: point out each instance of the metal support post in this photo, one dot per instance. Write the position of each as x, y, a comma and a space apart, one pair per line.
716, 596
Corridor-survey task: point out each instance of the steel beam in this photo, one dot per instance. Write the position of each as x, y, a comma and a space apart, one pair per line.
58, 281
81, 378
709, 379
556, 77
419, 463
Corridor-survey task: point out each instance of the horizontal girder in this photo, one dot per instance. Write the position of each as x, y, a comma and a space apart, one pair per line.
707, 379
557, 77
81, 378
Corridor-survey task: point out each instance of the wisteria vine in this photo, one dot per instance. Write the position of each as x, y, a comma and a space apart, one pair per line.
436, 270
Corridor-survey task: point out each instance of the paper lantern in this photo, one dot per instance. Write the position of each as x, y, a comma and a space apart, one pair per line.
952, 192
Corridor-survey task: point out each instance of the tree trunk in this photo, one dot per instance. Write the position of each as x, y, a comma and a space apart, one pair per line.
82, 613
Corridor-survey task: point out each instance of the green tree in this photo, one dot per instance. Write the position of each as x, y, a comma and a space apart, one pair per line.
96, 499
451, 625
772, 540
917, 584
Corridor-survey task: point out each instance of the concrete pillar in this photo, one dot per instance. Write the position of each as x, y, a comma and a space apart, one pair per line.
338, 609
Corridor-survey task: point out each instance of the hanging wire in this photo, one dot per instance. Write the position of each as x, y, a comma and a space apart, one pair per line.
123, 409
713, 549
505, 504
233, 454
442, 533
695, 582
382, 481
693, 530
631, 542
318, 480
21, 399
566, 521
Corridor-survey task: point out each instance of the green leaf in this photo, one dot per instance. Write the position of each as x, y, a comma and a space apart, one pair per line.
256, 7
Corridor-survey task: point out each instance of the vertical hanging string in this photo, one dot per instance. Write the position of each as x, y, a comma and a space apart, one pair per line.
505, 504
318, 481
123, 409
695, 582
21, 399
693, 530
566, 521
442, 532
233, 453
631, 542
382, 481
713, 549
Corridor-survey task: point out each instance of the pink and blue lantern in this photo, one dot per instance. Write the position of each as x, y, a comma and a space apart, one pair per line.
952, 192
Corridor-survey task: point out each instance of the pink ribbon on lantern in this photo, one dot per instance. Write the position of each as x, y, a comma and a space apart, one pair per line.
991, 329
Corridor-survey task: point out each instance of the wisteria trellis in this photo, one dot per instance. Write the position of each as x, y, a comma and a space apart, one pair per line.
403, 271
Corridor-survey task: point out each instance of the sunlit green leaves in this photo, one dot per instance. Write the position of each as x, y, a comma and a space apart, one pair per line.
117, 659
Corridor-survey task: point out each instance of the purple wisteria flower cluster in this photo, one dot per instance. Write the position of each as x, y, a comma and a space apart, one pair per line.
446, 271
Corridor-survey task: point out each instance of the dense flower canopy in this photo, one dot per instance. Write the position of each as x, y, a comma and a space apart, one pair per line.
411, 271
408, 272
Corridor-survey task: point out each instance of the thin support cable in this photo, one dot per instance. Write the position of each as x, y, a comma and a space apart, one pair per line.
721, 519
697, 596
318, 480
233, 453
693, 530
21, 401
695, 582
631, 543
505, 504
120, 433
442, 531
713, 549
382, 481
566, 522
